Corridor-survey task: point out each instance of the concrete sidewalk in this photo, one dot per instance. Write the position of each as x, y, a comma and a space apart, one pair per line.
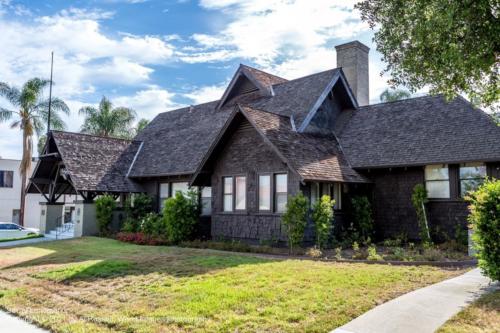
423, 310
10, 323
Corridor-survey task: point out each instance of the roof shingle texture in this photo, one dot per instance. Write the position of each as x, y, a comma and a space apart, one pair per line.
419, 131
314, 157
97, 163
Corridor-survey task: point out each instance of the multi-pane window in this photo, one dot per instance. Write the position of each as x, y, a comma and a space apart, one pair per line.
182, 187
437, 181
334, 191
206, 201
280, 192
471, 176
264, 192
241, 193
164, 193
6, 178
228, 194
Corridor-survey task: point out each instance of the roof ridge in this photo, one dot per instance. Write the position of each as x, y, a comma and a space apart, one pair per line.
309, 75
96, 136
402, 100
267, 73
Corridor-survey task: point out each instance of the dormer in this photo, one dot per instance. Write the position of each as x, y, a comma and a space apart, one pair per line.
248, 80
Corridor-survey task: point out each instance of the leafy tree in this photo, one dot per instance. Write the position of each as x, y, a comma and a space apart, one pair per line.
485, 222
295, 219
323, 217
180, 216
419, 199
141, 125
391, 95
104, 206
106, 120
30, 116
450, 46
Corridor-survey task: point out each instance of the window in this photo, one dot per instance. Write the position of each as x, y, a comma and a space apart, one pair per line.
164, 194
6, 178
337, 195
280, 192
228, 194
471, 176
333, 190
437, 181
264, 192
314, 193
206, 201
241, 193
180, 187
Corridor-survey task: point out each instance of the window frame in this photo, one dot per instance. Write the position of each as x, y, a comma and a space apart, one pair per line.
440, 180
245, 191
276, 193
223, 196
162, 199
202, 213
271, 191
469, 165
3, 176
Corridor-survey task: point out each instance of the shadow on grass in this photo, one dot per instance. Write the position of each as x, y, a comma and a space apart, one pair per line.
100, 258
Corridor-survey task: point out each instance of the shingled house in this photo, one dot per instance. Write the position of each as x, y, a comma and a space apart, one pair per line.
268, 138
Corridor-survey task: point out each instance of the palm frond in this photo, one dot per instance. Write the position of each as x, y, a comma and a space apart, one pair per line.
38, 125
15, 124
12, 94
57, 105
31, 92
5, 114
87, 111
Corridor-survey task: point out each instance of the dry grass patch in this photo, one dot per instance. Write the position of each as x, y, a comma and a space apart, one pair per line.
483, 316
101, 285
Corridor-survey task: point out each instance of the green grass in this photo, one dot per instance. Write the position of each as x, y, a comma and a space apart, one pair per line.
483, 316
20, 238
101, 285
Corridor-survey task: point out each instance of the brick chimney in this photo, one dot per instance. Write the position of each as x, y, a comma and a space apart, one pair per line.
353, 58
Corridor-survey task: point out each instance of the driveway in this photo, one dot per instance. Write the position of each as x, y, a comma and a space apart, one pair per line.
9, 323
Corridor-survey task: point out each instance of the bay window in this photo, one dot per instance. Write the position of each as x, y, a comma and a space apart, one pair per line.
228, 194
280, 192
265, 192
437, 181
471, 176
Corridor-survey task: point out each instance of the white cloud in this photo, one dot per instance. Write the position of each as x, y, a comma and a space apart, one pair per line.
206, 93
148, 103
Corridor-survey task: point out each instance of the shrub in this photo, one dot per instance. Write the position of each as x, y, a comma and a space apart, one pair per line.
137, 207
314, 252
104, 212
362, 215
338, 253
485, 222
152, 225
372, 253
141, 238
295, 219
323, 217
419, 199
180, 216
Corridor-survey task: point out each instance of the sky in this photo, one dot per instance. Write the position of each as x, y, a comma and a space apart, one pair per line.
156, 56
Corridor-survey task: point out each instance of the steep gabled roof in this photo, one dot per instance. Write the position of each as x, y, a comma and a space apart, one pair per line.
312, 157
419, 131
248, 80
95, 163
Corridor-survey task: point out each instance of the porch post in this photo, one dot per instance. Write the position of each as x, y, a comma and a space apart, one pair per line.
86, 222
50, 215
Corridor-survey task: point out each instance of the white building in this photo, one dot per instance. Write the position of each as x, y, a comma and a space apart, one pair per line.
10, 196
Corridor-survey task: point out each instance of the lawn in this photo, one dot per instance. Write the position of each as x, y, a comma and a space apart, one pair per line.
101, 285
483, 316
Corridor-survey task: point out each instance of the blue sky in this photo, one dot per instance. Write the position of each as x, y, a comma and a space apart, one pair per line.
155, 56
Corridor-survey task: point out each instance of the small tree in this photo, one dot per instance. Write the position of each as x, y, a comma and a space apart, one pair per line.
180, 215
323, 218
136, 208
485, 222
362, 215
419, 199
104, 212
295, 219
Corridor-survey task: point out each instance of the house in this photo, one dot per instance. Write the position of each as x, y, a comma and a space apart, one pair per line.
267, 138
10, 196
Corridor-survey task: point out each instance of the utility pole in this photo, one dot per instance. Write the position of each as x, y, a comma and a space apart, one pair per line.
50, 90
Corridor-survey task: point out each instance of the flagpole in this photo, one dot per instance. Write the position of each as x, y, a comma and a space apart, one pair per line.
50, 90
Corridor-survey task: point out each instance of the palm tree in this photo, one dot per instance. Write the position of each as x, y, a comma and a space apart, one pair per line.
30, 116
106, 120
391, 95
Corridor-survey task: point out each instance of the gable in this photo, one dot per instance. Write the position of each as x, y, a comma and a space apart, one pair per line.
242, 86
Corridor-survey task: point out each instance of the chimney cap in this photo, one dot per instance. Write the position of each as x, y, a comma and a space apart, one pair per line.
354, 43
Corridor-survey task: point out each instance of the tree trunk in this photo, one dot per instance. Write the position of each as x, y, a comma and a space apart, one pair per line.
23, 169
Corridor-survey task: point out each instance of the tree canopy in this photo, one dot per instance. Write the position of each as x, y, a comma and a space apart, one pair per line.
453, 47
391, 95
107, 121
